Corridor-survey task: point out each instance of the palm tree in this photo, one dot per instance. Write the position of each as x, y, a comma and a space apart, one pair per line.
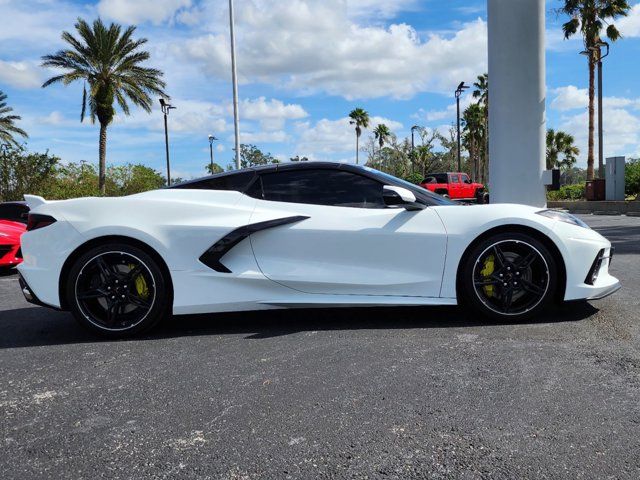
382, 134
561, 144
474, 136
589, 17
359, 118
108, 60
8, 129
481, 92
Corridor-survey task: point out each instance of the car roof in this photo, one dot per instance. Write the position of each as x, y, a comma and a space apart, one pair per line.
278, 167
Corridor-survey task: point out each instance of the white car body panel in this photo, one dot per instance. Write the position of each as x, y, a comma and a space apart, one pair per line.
339, 256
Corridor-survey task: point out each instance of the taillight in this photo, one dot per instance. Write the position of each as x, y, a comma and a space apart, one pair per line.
36, 220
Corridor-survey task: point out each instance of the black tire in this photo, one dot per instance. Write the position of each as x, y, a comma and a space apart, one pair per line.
508, 277
445, 195
117, 290
482, 197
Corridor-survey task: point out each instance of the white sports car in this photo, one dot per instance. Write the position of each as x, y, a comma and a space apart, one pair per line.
309, 234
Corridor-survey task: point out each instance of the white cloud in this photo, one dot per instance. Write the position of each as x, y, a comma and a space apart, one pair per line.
21, 74
569, 98
334, 136
278, 136
448, 113
629, 26
314, 46
271, 114
55, 118
132, 12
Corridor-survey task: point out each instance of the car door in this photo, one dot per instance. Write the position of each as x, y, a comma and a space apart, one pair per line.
454, 186
343, 239
465, 185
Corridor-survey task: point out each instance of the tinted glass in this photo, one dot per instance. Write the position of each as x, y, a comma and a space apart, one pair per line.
322, 187
233, 181
454, 179
436, 178
13, 212
465, 178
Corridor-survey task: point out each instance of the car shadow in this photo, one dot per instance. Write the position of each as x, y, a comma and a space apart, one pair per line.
8, 272
35, 326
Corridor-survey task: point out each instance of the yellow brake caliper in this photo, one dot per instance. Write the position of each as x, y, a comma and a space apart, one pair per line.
141, 285
489, 266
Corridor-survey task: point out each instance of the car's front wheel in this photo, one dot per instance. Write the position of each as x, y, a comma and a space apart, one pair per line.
117, 290
508, 277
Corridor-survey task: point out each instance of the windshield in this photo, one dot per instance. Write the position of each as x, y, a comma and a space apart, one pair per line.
422, 194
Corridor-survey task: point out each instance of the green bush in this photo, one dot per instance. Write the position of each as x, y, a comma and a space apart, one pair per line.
567, 192
22, 172
632, 177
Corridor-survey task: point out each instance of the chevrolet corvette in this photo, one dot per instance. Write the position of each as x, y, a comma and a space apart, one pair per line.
301, 235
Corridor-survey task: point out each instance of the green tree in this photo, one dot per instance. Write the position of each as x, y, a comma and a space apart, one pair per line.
359, 118
23, 172
216, 168
632, 177
481, 93
589, 17
251, 156
108, 60
8, 128
382, 134
298, 158
474, 136
561, 150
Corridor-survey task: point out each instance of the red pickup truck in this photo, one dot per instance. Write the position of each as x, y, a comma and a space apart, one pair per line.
455, 185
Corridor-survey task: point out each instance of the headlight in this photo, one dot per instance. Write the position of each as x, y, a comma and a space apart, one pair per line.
563, 217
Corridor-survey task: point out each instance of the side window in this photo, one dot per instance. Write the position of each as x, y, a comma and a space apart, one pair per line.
455, 179
465, 178
441, 178
229, 181
336, 188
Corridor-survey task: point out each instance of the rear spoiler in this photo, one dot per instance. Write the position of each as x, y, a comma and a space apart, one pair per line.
34, 201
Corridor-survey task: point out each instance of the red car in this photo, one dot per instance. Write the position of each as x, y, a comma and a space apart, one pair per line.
10, 233
455, 185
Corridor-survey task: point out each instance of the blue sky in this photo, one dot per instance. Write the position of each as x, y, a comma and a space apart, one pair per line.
303, 65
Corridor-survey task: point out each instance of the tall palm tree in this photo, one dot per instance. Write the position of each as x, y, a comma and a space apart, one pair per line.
382, 133
481, 92
359, 118
561, 144
108, 60
8, 129
590, 17
474, 136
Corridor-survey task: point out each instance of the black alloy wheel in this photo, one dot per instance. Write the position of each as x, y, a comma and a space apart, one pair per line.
117, 290
509, 276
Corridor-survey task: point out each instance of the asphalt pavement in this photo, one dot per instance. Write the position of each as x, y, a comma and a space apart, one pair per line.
356, 393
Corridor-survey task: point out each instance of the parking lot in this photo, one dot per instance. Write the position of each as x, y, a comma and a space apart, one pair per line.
366, 393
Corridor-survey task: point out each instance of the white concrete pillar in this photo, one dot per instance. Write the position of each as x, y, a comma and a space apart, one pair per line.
517, 123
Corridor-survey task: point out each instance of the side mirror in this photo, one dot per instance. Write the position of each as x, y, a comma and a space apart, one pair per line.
400, 197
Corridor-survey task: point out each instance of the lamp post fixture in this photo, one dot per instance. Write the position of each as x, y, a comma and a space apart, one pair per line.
413, 129
234, 79
461, 88
165, 110
211, 140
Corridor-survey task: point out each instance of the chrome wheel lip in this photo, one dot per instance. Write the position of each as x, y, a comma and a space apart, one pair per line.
88, 317
499, 312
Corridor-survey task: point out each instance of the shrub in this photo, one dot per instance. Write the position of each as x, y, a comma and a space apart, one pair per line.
632, 177
567, 192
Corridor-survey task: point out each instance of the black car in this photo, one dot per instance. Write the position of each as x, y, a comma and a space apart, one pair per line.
14, 211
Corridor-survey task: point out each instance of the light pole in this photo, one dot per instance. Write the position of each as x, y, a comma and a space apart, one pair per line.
234, 79
165, 110
211, 140
461, 88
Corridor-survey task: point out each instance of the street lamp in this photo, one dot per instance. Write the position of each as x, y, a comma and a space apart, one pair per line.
461, 88
211, 140
414, 128
165, 110
234, 79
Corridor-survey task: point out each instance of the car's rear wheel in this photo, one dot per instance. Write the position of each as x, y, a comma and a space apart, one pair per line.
509, 277
117, 290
